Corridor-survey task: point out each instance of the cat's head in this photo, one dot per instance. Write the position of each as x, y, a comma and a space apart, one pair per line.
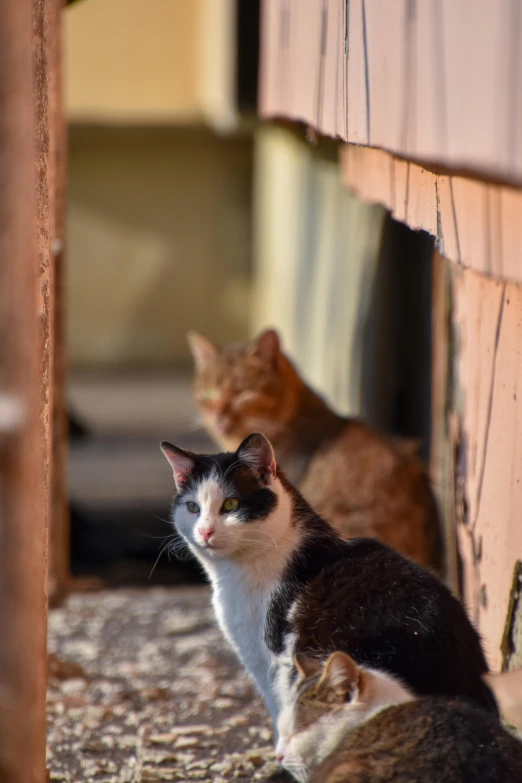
243, 388
326, 702
229, 505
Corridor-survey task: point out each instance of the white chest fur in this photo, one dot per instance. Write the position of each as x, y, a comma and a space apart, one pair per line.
241, 606
244, 578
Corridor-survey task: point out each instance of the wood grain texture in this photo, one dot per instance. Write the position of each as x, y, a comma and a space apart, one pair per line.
477, 224
488, 323
59, 574
23, 533
436, 81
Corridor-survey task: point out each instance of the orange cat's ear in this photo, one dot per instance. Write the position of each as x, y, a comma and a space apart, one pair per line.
306, 667
341, 677
202, 349
256, 452
181, 462
267, 345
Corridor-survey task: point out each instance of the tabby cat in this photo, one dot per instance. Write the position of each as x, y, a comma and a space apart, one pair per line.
363, 482
348, 724
284, 582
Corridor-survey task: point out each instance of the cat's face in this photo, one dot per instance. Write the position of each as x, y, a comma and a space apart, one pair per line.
242, 389
326, 702
228, 505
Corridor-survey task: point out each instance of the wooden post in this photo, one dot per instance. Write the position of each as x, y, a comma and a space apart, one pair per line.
23, 532
59, 573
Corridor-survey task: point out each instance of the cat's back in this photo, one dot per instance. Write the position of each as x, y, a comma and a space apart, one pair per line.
387, 612
367, 484
430, 740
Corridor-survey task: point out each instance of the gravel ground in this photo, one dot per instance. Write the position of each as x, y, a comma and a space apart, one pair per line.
142, 688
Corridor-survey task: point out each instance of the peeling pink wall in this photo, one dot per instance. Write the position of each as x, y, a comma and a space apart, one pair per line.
435, 81
418, 89
488, 323
477, 224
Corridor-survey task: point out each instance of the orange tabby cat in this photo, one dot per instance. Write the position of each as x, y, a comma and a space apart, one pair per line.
363, 482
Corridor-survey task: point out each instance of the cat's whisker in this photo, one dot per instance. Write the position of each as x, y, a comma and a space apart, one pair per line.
177, 545
262, 544
162, 538
264, 533
163, 548
224, 540
160, 519
231, 467
217, 464
180, 552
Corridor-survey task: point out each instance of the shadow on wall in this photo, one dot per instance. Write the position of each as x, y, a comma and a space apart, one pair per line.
159, 241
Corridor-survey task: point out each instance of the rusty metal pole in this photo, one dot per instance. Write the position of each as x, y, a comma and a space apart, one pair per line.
23, 534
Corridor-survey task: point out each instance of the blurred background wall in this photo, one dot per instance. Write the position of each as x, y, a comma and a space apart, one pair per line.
160, 99
158, 241
186, 212
159, 227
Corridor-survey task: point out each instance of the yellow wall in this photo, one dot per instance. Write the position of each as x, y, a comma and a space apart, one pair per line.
158, 242
133, 60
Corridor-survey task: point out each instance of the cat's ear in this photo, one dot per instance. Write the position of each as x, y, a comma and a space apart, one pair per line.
306, 667
203, 350
341, 678
267, 345
256, 452
181, 462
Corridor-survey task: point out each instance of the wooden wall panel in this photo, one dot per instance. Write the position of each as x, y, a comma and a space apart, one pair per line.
23, 518
436, 81
478, 225
332, 41
385, 36
488, 324
59, 572
357, 128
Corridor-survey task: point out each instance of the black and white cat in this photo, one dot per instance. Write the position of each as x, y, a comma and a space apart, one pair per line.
285, 583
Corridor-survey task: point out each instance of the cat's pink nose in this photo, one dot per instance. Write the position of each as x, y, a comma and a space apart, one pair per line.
207, 534
280, 757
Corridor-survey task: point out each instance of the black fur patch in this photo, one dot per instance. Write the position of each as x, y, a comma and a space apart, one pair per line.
256, 500
362, 597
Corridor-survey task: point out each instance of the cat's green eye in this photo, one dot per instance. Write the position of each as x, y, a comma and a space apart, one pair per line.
192, 507
230, 504
208, 394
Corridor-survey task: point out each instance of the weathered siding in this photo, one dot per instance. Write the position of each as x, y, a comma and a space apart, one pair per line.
477, 224
488, 331
434, 81
429, 98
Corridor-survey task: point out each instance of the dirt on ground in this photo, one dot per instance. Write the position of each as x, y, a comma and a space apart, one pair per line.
143, 687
